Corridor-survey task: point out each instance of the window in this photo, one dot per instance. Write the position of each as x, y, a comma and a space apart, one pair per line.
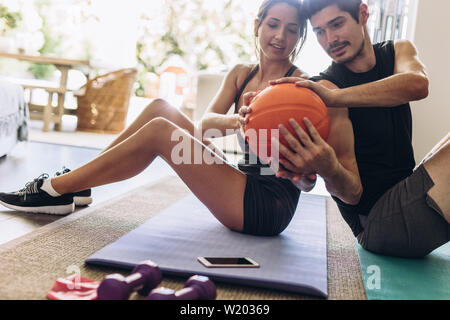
391, 19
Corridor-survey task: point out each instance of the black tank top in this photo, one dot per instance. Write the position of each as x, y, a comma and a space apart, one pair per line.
383, 136
244, 163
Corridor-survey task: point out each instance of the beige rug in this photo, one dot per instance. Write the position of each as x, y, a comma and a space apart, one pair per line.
31, 264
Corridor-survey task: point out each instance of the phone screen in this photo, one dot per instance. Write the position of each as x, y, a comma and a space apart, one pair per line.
233, 261
228, 262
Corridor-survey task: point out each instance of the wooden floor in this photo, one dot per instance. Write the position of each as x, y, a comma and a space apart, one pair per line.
29, 160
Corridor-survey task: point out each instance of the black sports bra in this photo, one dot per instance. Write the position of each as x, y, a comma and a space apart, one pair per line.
244, 163
250, 77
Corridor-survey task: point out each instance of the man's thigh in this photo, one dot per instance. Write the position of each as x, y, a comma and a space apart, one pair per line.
405, 221
438, 167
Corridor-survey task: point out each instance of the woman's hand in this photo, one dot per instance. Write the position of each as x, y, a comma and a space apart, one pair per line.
245, 110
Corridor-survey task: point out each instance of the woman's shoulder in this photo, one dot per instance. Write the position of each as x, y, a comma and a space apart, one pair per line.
241, 72
242, 69
300, 73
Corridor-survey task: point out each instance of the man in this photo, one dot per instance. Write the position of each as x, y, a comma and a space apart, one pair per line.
402, 211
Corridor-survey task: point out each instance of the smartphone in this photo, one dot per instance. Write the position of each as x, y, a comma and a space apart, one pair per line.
228, 262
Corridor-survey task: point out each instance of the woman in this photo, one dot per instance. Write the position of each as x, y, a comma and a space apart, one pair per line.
242, 201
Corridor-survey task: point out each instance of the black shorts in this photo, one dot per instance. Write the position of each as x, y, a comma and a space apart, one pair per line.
405, 221
269, 204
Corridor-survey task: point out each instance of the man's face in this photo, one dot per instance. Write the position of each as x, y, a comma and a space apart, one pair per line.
339, 34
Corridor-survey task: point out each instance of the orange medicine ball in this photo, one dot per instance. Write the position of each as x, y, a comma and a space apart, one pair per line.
277, 104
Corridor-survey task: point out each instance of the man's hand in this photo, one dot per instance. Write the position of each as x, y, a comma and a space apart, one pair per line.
303, 182
329, 96
308, 154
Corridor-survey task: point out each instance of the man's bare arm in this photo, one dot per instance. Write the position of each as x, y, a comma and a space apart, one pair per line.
345, 183
408, 83
334, 160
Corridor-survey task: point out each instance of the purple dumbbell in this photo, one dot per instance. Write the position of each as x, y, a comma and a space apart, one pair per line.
196, 288
143, 278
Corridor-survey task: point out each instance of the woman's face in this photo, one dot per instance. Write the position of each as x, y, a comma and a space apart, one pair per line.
279, 32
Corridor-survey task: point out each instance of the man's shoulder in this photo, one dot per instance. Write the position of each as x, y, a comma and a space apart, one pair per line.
332, 73
405, 45
383, 43
384, 46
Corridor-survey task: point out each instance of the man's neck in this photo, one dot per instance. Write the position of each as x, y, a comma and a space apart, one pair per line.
365, 61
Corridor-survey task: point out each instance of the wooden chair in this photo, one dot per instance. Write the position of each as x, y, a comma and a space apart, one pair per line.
103, 101
47, 113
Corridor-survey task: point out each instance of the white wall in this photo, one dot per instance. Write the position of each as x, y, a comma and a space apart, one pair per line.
431, 117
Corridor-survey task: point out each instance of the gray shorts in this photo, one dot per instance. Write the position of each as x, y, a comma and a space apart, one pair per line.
405, 221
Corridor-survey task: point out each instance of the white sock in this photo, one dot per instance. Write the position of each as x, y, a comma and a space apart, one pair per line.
47, 187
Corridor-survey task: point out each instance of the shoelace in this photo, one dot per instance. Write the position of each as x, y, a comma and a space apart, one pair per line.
31, 187
63, 171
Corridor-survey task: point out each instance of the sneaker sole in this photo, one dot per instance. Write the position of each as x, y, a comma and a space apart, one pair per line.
82, 201
53, 210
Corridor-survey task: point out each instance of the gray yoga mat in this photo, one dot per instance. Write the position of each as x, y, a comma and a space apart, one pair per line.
294, 261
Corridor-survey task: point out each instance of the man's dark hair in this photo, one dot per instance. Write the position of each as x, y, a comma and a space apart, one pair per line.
350, 6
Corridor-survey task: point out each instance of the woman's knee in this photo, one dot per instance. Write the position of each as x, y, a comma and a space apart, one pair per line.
157, 129
157, 108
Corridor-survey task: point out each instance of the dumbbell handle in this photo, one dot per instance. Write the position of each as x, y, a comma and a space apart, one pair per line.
135, 280
187, 294
169, 294
196, 288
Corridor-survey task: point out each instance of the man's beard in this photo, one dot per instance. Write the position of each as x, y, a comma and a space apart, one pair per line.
356, 55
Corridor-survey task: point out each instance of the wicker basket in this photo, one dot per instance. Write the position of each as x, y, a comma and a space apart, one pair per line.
103, 104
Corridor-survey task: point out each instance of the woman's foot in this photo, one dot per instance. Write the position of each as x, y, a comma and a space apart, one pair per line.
35, 200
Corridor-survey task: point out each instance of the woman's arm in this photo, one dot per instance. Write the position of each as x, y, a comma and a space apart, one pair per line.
216, 116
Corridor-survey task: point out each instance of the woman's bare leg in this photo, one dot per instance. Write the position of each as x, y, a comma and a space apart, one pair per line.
219, 186
161, 108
